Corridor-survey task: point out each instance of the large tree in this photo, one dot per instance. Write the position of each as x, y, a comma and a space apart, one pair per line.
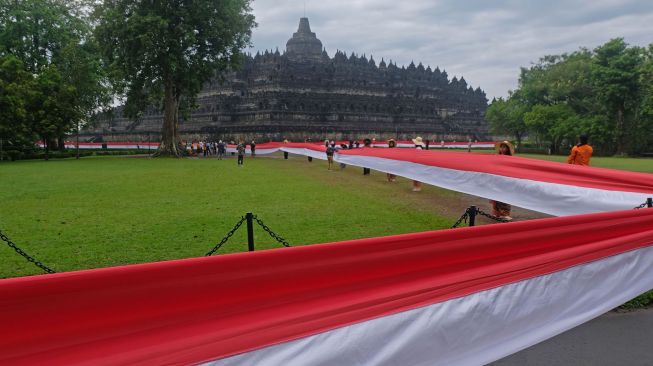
605, 92
162, 52
506, 116
54, 44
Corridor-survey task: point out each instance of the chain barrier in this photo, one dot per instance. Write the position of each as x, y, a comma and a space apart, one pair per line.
489, 216
272, 234
25, 255
229, 235
641, 206
462, 219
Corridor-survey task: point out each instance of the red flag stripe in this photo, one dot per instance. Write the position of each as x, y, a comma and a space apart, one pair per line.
209, 308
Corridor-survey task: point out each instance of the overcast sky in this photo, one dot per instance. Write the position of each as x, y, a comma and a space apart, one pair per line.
486, 41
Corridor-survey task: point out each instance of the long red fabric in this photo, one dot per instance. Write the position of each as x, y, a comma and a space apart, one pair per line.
518, 167
195, 310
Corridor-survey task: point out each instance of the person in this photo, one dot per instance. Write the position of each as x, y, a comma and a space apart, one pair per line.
285, 153
241, 152
367, 143
469, 146
221, 149
310, 158
502, 209
330, 149
391, 177
419, 145
581, 153
252, 147
428, 143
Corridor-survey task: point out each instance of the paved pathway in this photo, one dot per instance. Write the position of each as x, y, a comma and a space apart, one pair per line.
611, 339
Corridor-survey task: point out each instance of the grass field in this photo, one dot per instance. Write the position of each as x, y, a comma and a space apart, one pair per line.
106, 211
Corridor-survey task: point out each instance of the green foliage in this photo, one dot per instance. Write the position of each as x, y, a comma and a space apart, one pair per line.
15, 90
643, 300
51, 74
605, 93
507, 116
162, 52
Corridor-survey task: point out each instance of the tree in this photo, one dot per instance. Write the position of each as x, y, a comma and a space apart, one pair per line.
53, 106
605, 93
617, 75
54, 39
15, 85
506, 116
162, 52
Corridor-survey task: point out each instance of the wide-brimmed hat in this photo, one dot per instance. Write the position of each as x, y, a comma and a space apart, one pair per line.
497, 146
392, 143
418, 141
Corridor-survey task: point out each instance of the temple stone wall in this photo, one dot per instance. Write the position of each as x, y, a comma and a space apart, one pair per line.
304, 93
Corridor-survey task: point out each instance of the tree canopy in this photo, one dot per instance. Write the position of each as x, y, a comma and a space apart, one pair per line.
51, 75
162, 52
605, 93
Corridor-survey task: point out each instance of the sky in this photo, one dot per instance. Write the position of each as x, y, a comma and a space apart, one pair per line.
484, 41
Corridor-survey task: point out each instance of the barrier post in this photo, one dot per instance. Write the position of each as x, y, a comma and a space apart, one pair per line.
471, 211
649, 202
250, 231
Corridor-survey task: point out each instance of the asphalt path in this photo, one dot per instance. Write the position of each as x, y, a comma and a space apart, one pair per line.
615, 338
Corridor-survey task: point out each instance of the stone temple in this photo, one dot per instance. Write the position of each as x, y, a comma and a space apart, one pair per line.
304, 93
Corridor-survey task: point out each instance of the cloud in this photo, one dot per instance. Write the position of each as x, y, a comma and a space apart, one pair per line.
486, 41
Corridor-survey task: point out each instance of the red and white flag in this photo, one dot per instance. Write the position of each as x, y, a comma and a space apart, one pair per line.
544, 186
466, 296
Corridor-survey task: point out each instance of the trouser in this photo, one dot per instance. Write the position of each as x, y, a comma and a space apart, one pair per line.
240, 160
366, 171
285, 155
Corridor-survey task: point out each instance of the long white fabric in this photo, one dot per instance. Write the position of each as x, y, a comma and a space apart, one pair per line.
551, 198
475, 329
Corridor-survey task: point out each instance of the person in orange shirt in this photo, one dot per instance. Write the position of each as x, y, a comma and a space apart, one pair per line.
581, 153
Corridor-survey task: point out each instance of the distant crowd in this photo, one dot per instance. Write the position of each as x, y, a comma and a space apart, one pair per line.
580, 155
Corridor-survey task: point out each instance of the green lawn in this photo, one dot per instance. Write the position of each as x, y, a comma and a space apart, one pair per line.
107, 211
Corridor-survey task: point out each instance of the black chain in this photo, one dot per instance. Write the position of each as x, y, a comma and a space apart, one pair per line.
272, 234
25, 255
495, 218
229, 235
461, 219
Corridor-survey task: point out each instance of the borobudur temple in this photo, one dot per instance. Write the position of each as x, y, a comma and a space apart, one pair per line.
304, 93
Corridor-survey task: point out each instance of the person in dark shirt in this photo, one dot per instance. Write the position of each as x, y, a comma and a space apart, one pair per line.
329, 153
241, 152
367, 143
252, 147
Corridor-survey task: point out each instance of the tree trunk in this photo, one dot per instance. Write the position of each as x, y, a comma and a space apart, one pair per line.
621, 148
46, 142
169, 131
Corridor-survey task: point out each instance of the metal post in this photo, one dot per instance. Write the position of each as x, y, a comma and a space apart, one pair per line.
471, 211
250, 231
649, 202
